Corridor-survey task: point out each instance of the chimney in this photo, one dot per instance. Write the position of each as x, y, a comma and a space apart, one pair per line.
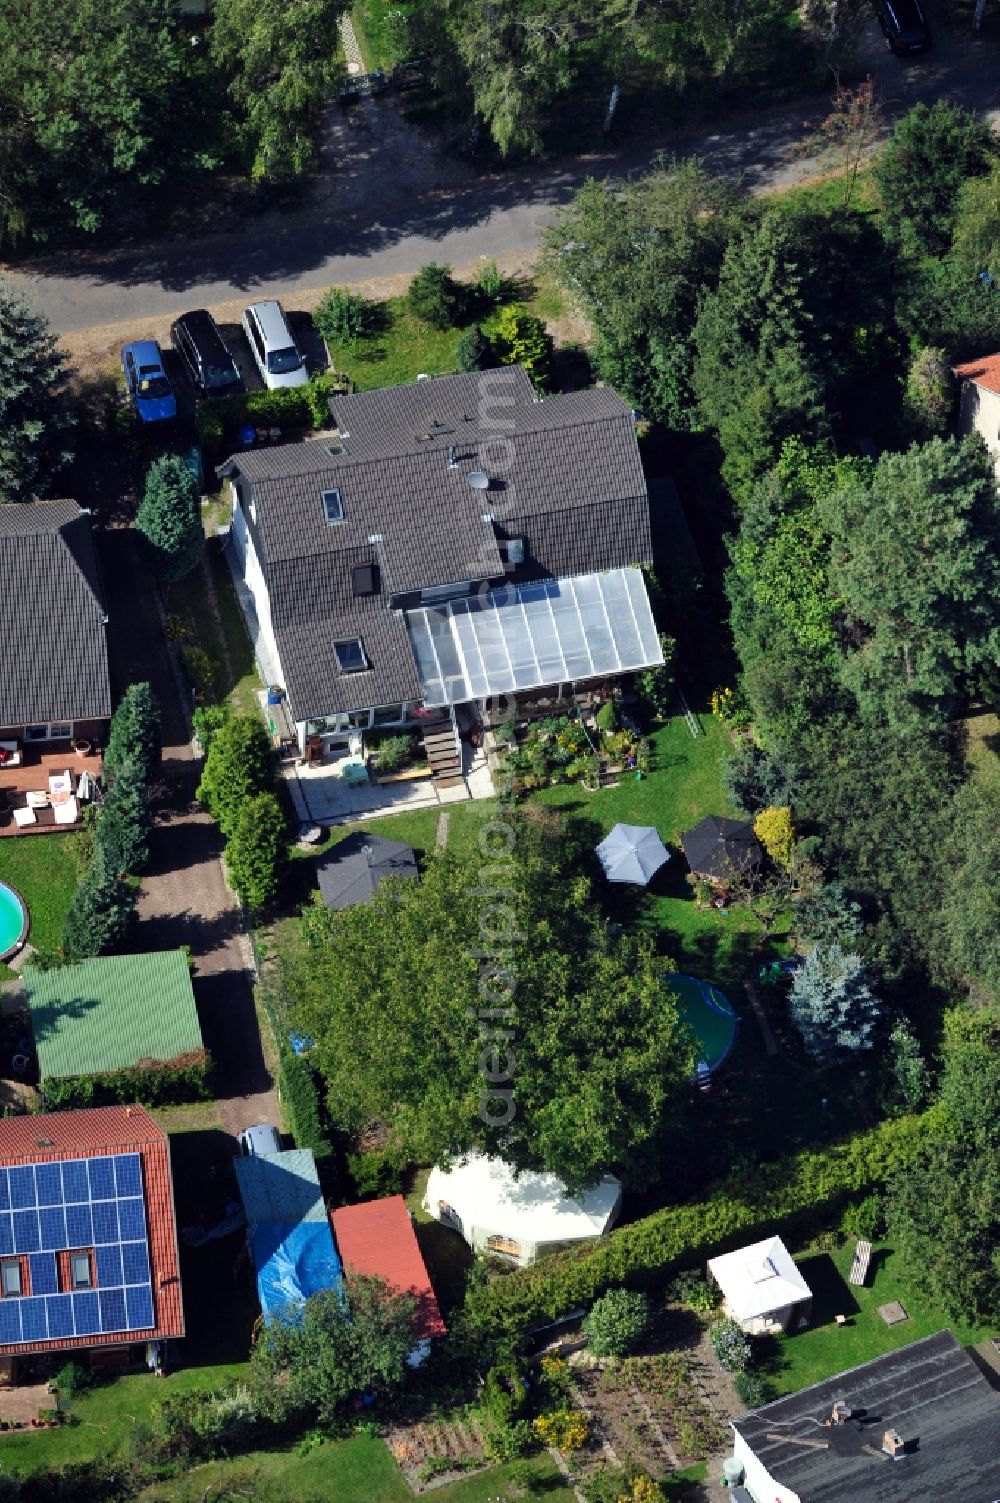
893, 1444
841, 1413
452, 457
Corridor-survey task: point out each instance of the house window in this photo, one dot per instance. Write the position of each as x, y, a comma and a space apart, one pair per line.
350, 656
79, 1271
10, 1278
333, 507
512, 550
505, 1245
61, 730
388, 715
36, 733
363, 580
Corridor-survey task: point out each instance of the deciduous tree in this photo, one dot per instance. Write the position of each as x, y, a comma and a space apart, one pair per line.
930, 153
972, 900
343, 1343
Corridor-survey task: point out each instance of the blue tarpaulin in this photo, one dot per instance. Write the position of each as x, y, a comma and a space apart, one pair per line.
292, 1262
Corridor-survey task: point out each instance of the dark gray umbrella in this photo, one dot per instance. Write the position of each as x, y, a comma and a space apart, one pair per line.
719, 847
351, 871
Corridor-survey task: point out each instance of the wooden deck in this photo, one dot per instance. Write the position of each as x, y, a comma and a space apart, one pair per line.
32, 776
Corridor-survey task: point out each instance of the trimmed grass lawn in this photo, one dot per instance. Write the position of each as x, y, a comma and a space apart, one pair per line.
359, 1470
403, 349
796, 1361
43, 869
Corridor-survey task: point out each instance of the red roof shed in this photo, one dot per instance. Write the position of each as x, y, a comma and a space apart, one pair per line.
377, 1239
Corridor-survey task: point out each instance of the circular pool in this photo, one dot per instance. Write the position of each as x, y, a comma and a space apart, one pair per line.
13, 921
710, 1017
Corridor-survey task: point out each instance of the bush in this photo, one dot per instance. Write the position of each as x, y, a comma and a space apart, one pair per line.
657, 687
124, 821
435, 297
395, 753
522, 339
751, 1389
864, 1219
566, 1429
617, 1323
696, 1293
731, 1346
169, 519
929, 397
773, 828
609, 717
474, 352
202, 672
300, 1098
257, 850
100, 912
342, 315
789, 1193
238, 767
218, 419
375, 1174
207, 720
73, 1378
493, 285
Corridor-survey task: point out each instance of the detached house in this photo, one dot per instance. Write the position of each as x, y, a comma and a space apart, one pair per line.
457, 542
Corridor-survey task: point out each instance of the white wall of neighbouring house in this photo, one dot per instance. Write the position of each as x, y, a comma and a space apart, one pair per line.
252, 574
758, 1479
979, 412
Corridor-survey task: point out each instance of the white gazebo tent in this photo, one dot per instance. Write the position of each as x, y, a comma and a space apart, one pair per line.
522, 1217
762, 1287
632, 853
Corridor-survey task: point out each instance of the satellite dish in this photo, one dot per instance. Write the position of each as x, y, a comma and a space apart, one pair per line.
479, 481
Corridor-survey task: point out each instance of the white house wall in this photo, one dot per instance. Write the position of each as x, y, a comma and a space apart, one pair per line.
758, 1479
979, 412
248, 571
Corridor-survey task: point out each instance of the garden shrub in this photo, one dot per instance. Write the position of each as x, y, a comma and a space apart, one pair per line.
207, 720
237, 768
202, 672
864, 1219
342, 315
773, 828
630, 1483
730, 1345
566, 1429
474, 352
187, 1078
435, 297
617, 1323
769, 1197
694, 1292
396, 752
751, 1389
301, 1101
257, 850
218, 418
375, 1174
522, 339
609, 717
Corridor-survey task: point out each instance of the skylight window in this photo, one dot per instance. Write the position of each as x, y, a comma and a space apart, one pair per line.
363, 580
350, 656
333, 507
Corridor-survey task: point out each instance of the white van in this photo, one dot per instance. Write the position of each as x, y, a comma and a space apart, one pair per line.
273, 347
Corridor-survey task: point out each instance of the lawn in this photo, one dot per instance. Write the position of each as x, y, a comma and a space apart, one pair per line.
205, 604
403, 349
796, 1361
44, 872
359, 1470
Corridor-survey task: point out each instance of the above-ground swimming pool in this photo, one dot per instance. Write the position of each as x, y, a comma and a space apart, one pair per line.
710, 1017
13, 921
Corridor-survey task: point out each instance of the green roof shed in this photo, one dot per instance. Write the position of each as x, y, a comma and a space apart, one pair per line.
111, 1013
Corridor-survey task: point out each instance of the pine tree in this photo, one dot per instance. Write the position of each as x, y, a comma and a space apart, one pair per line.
125, 821
832, 1005
135, 733
169, 518
236, 768
100, 912
34, 417
257, 850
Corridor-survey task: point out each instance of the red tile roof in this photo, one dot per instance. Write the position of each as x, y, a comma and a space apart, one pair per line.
984, 372
88, 1134
377, 1239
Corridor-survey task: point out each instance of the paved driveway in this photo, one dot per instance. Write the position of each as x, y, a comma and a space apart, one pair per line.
388, 200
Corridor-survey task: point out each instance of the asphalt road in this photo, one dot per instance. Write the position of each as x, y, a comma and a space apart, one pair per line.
390, 202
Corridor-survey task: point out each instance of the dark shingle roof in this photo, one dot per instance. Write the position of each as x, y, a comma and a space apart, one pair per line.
931, 1392
55, 661
565, 475
357, 865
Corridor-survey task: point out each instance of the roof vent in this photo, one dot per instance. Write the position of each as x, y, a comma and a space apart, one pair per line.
452, 457
479, 481
841, 1413
893, 1444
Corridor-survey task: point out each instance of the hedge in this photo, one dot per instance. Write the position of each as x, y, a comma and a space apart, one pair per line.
298, 1086
187, 1078
757, 1201
284, 407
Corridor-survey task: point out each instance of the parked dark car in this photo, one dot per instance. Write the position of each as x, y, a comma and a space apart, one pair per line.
904, 26
204, 354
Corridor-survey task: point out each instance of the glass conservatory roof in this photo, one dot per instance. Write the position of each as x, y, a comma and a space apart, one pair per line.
526, 636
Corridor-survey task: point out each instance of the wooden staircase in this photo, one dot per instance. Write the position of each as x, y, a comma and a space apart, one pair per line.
443, 749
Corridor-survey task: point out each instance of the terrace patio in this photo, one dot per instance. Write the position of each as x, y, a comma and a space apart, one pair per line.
40, 790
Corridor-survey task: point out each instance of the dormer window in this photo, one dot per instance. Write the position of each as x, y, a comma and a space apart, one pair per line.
333, 507
363, 580
350, 656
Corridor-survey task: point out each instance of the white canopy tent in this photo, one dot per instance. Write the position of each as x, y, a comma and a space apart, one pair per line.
632, 853
762, 1287
518, 1217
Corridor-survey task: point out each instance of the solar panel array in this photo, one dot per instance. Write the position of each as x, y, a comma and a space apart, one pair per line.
76, 1205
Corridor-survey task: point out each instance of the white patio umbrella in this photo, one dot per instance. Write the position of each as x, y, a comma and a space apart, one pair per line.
632, 853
